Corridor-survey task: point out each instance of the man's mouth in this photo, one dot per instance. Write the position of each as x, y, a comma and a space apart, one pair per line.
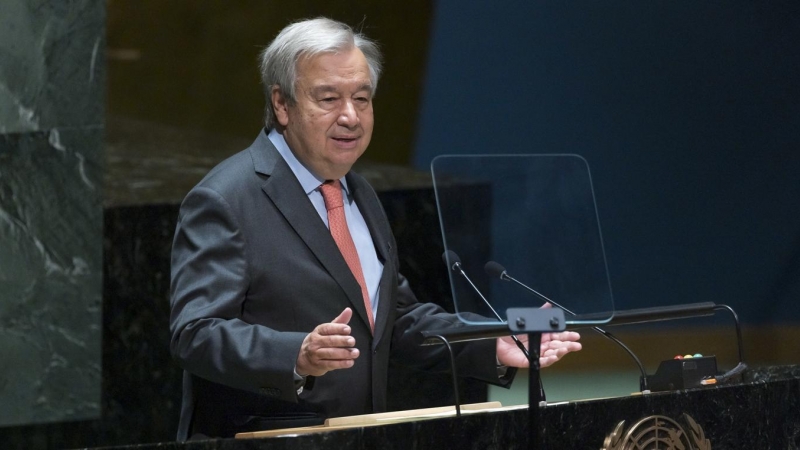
346, 142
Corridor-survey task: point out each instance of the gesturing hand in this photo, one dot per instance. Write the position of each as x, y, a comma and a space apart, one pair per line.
554, 346
328, 347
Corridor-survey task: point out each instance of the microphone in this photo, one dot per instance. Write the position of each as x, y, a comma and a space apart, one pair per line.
494, 269
456, 267
451, 256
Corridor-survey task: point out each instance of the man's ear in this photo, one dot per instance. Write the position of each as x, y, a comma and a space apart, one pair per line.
280, 104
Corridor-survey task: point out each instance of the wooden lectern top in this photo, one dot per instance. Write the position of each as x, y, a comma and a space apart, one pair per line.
369, 420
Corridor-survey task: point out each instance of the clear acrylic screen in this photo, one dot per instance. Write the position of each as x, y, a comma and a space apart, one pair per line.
533, 214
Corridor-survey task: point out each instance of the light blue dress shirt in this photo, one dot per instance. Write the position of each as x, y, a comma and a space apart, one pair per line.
370, 264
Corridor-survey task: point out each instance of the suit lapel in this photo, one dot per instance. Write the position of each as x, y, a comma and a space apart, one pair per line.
373, 214
377, 223
288, 196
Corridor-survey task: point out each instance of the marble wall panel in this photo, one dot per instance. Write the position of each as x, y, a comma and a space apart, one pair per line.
50, 275
51, 114
51, 64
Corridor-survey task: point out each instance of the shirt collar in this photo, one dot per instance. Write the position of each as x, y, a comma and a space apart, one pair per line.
308, 180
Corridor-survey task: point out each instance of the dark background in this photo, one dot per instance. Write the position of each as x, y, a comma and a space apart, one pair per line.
687, 112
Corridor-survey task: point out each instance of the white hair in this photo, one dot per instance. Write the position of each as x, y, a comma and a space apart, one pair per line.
278, 62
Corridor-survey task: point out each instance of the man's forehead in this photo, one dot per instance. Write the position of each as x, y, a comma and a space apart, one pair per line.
353, 53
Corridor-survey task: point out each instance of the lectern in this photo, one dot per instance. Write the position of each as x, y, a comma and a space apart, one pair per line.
759, 413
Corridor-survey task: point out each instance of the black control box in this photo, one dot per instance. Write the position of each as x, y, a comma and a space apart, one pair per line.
684, 373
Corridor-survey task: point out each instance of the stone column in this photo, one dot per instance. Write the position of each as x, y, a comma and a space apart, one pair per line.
52, 80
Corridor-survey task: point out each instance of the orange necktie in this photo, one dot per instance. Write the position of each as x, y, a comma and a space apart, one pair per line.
332, 194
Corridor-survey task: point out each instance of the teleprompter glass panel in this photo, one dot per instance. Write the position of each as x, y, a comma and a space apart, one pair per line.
514, 220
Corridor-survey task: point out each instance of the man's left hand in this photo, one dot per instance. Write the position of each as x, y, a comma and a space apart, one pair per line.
554, 346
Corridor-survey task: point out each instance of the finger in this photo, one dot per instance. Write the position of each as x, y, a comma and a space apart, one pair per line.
551, 356
569, 345
334, 364
557, 352
316, 360
546, 305
561, 348
335, 354
565, 336
344, 317
317, 342
319, 368
333, 329
338, 325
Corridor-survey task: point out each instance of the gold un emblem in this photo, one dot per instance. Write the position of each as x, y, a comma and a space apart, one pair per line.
658, 433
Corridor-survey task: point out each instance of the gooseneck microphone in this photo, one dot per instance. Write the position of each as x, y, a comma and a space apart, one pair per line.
451, 256
456, 267
494, 269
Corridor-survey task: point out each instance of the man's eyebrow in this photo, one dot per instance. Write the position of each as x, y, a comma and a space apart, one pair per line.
326, 88
365, 87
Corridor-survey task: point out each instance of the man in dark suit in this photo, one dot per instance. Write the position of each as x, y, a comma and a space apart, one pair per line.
277, 320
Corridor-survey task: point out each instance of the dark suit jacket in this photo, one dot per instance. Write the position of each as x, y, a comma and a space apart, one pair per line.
254, 270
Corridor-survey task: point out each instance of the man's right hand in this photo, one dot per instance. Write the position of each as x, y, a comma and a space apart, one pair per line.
328, 347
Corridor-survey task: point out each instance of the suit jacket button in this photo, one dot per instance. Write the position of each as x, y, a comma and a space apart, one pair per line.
270, 392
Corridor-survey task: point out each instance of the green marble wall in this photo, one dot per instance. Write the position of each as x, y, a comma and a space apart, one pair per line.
52, 79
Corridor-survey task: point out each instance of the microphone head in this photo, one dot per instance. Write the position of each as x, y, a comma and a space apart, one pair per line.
495, 270
450, 257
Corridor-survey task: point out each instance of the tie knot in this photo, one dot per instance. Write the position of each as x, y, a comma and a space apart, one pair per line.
332, 194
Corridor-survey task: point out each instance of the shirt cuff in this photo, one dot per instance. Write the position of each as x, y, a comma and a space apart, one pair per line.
299, 382
502, 370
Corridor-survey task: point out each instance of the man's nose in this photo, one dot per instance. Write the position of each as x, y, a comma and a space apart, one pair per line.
348, 116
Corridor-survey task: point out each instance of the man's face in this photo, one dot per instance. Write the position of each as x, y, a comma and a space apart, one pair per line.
330, 125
